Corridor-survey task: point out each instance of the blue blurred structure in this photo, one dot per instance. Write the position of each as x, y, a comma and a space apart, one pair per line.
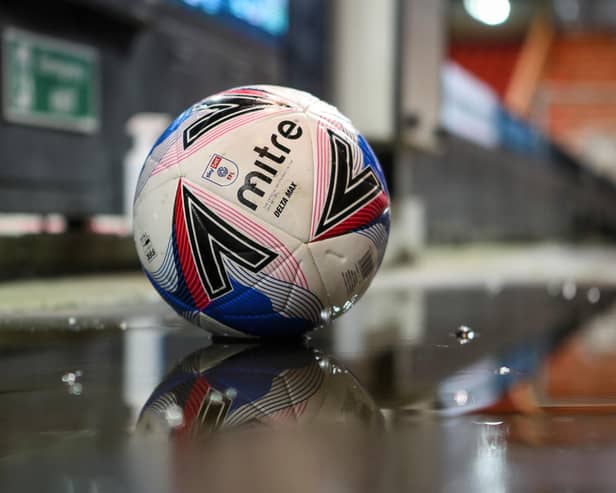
266, 16
518, 136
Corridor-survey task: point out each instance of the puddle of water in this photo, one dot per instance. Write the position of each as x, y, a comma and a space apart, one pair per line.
408, 398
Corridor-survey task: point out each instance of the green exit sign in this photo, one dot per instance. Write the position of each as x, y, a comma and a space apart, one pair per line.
50, 82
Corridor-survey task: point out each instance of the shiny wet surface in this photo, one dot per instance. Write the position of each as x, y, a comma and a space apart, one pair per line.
498, 389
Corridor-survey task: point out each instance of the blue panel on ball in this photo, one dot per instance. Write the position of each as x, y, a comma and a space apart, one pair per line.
382, 220
250, 311
377, 232
371, 160
178, 378
173, 126
252, 376
179, 300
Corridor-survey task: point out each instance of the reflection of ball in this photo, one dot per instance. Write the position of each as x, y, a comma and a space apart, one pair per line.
291, 233
235, 386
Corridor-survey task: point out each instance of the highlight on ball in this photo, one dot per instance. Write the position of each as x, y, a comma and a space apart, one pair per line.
261, 211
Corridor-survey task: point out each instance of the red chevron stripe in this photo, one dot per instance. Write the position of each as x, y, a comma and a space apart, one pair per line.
187, 260
194, 401
365, 215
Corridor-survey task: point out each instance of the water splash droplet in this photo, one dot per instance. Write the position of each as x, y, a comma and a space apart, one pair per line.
174, 416
216, 396
231, 393
69, 377
71, 380
465, 334
460, 397
72, 321
75, 389
489, 423
123, 325
504, 370
593, 295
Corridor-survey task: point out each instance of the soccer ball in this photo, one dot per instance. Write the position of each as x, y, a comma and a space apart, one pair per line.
260, 211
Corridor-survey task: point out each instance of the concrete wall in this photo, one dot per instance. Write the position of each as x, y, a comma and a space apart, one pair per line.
474, 194
154, 57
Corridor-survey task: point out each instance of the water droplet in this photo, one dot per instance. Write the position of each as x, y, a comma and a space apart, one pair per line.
69, 377
593, 295
488, 423
72, 321
504, 370
231, 393
75, 388
347, 306
123, 325
569, 290
465, 334
460, 397
174, 416
216, 396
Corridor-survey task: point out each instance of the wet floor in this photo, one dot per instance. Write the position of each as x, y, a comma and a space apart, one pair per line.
495, 389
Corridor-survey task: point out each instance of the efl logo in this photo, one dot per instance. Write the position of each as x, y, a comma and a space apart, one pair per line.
221, 171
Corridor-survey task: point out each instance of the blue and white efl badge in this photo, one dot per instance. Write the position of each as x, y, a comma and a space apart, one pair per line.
220, 170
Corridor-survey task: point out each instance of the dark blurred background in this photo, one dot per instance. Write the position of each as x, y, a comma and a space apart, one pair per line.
495, 120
